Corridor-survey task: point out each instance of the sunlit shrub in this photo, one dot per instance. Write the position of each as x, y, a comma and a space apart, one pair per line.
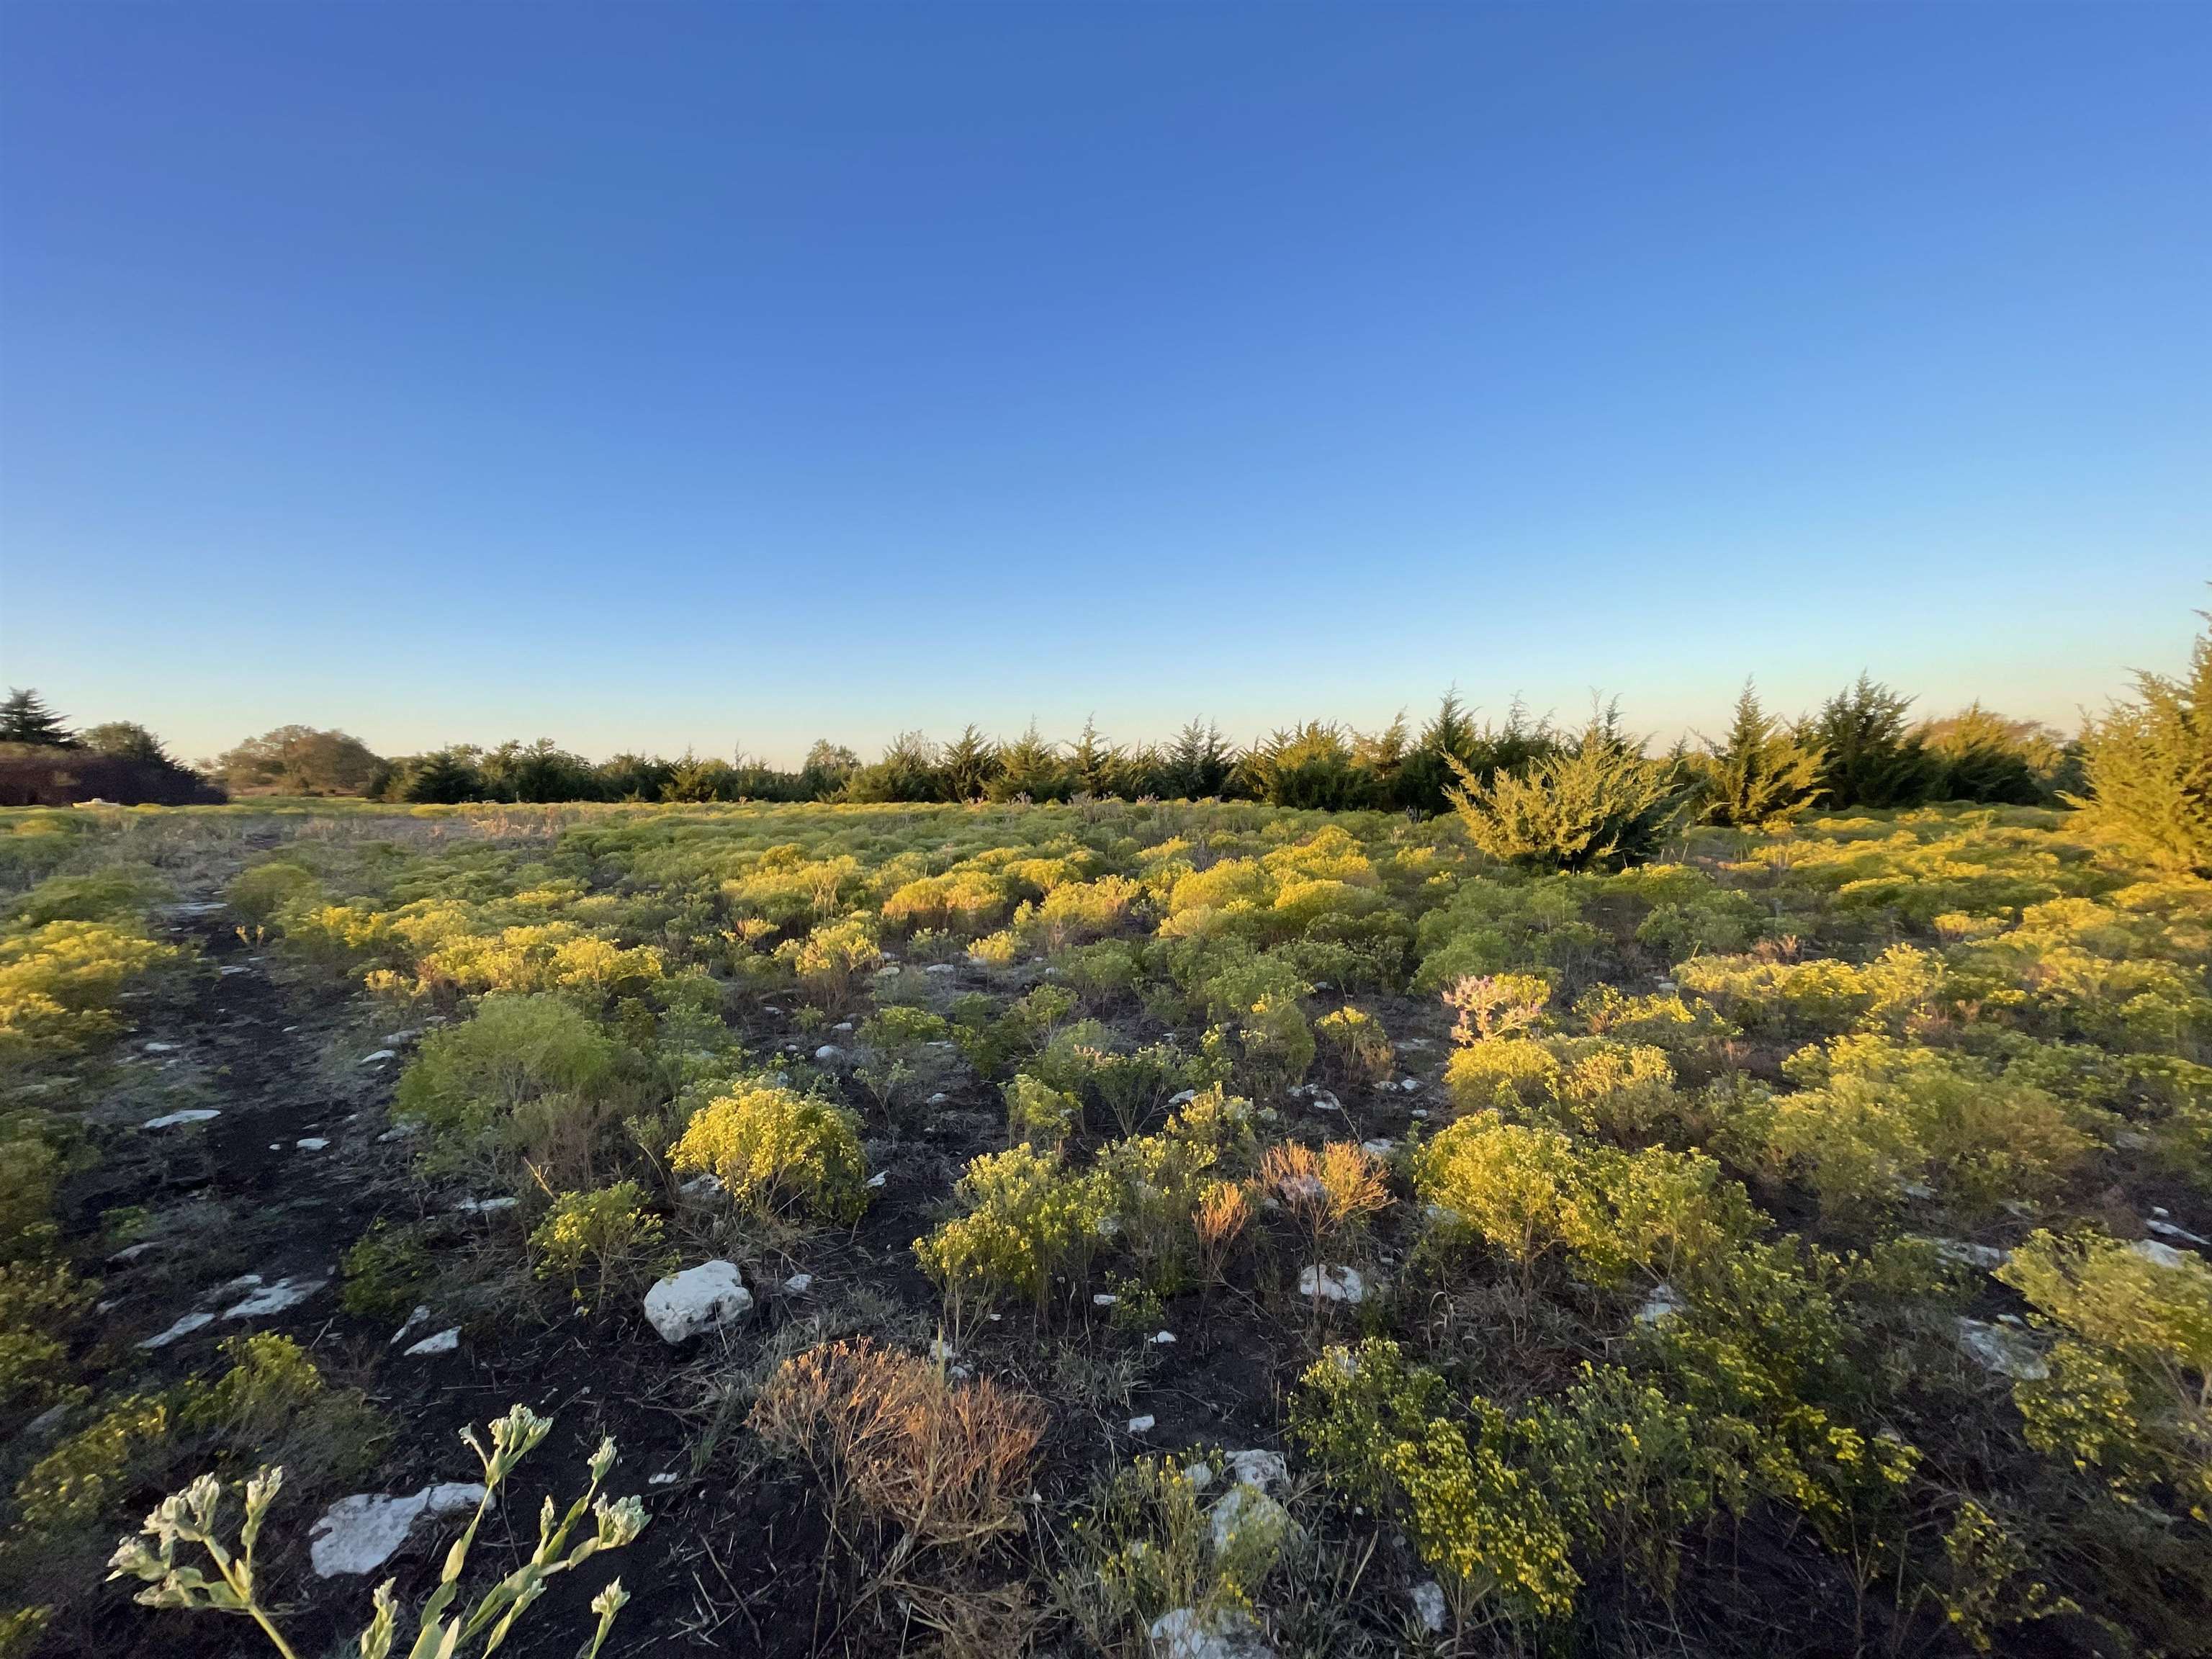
1353, 1047
606, 1236
1824, 995
1040, 1114
1028, 1220
260, 893
773, 1150
832, 960
2126, 1388
59, 981
1879, 1115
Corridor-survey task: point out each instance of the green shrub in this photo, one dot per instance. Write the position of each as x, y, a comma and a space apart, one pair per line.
1763, 774
1028, 1220
2127, 1379
1598, 805
1354, 1048
607, 1236
773, 1149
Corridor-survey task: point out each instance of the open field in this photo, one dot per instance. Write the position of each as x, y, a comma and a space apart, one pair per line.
1191, 1228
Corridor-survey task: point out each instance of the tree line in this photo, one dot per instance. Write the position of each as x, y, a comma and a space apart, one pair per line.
1860, 748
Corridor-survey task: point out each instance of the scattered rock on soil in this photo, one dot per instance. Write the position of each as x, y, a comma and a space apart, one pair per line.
701, 1298
359, 1535
1333, 1284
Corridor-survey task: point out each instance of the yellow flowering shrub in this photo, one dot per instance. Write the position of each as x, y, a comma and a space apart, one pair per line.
773, 1149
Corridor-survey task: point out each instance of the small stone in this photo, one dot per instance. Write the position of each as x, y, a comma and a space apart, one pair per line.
2006, 1352
275, 1298
1182, 1633
1664, 1303
416, 1320
799, 1283
444, 1342
1960, 1253
828, 1053
358, 1534
1379, 1148
1161, 1339
1142, 1425
380, 1056
311, 1143
1429, 1604
940, 968
160, 1047
1333, 1284
2168, 1230
880, 1177
1263, 1469
1408, 1084
702, 1186
486, 1205
842, 1025
184, 1328
2162, 1255
1246, 1517
399, 1132
1104, 1298
669, 1479
130, 1253
701, 1298
183, 1119
939, 1098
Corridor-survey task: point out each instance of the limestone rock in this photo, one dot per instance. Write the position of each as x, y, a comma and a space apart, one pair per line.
701, 1298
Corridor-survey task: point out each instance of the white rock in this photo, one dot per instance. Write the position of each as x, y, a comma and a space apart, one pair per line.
485, 1206
1104, 1298
880, 1177
1161, 1339
358, 1534
940, 968
1263, 1469
1408, 1084
311, 1143
1987, 1257
1243, 1514
184, 1327
1333, 1284
230, 968
2168, 1230
2163, 1256
2006, 1352
275, 1298
1142, 1425
799, 1283
1429, 1605
939, 1098
444, 1342
1664, 1303
829, 1052
1199, 1476
700, 1298
1382, 1147
130, 1253
160, 1047
1184, 1098
668, 1480
702, 1186
416, 1320
179, 1119
380, 1056
842, 1025
399, 1132
1183, 1634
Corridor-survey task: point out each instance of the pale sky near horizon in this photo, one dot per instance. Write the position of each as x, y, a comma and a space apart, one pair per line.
680, 375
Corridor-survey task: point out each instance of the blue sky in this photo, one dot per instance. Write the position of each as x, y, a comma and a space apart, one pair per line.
647, 376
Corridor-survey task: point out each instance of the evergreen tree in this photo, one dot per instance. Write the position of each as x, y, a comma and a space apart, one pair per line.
25, 718
1198, 764
2148, 766
1450, 735
971, 760
1763, 773
1031, 768
446, 778
828, 767
911, 770
1870, 754
1094, 763
1984, 757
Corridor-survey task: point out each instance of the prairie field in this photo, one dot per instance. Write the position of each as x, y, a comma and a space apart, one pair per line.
1147, 1227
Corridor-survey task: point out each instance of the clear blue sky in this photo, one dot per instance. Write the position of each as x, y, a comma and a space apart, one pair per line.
661, 374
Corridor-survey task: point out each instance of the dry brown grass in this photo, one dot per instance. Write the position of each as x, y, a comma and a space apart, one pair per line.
945, 1460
